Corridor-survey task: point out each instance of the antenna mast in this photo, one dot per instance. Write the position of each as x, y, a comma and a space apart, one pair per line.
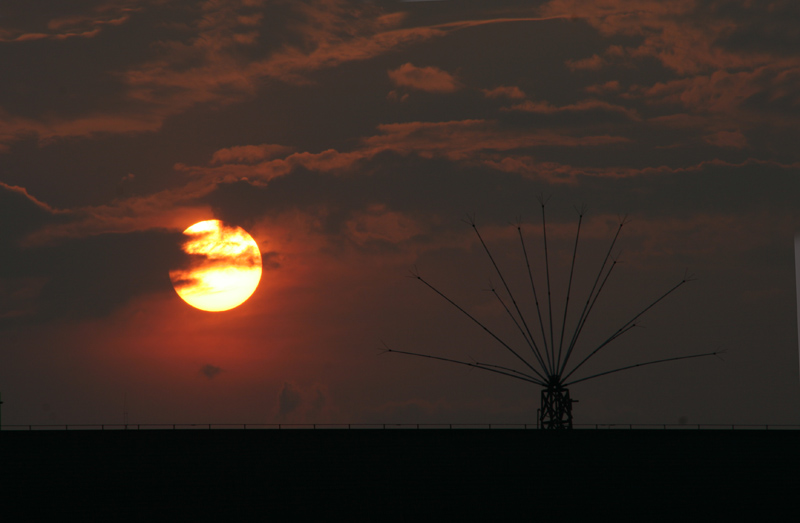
551, 371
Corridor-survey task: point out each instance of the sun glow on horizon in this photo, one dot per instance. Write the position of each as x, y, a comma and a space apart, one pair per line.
226, 270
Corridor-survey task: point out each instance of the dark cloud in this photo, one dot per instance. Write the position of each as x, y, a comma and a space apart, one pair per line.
93, 276
317, 404
83, 19
762, 27
22, 214
210, 371
288, 400
426, 187
409, 185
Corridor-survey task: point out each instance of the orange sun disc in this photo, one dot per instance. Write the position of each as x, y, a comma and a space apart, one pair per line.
225, 269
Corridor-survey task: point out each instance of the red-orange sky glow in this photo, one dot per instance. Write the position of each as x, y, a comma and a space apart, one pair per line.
350, 140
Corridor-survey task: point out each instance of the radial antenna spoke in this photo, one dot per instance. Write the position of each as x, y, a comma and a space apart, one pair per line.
515, 371
641, 365
503, 280
536, 299
582, 323
468, 364
481, 325
569, 288
549, 300
625, 327
606, 342
591, 293
530, 342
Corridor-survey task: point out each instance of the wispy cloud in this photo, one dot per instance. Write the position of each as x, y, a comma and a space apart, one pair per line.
580, 106
724, 82
733, 139
219, 58
13, 128
682, 34
86, 25
429, 79
511, 92
608, 87
250, 153
463, 139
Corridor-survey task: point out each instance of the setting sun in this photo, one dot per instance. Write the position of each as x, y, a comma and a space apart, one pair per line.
226, 268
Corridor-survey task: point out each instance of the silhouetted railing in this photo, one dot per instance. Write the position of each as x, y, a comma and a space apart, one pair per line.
390, 426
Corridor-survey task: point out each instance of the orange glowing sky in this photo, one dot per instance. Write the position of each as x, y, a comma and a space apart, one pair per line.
349, 139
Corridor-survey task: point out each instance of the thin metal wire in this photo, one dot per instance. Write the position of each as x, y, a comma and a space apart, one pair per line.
641, 365
468, 364
549, 300
503, 280
536, 351
536, 299
625, 327
591, 293
509, 369
569, 288
582, 323
493, 335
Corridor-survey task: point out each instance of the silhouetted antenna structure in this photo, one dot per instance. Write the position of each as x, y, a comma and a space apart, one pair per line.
548, 364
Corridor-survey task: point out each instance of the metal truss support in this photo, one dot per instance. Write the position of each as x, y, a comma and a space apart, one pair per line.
556, 411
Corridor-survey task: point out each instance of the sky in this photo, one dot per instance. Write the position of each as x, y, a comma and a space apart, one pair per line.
355, 141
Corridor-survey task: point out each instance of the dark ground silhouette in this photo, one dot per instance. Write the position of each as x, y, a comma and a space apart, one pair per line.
397, 474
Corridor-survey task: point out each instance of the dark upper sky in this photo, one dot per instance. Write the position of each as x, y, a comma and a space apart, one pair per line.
351, 139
